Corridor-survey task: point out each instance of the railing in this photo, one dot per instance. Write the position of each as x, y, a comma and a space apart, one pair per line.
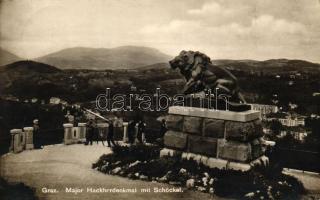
27, 138
48, 137
286, 157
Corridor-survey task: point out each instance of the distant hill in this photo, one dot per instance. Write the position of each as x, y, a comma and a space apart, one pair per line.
28, 67
28, 79
125, 57
269, 66
155, 66
17, 71
6, 57
25, 78
273, 66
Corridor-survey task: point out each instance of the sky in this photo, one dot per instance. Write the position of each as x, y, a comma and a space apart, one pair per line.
222, 29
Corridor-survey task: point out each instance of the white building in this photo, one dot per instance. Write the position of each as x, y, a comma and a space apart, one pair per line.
292, 121
57, 100
297, 133
265, 109
34, 100
54, 100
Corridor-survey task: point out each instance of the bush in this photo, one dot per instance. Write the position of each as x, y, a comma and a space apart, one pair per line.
138, 152
143, 162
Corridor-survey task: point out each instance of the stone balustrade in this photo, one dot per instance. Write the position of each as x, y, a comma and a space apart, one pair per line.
21, 139
29, 137
125, 132
82, 131
73, 135
103, 129
68, 138
16, 140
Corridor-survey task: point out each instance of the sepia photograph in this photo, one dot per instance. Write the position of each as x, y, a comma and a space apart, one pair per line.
160, 99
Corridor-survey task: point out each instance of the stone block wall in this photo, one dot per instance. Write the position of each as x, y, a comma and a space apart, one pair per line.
215, 135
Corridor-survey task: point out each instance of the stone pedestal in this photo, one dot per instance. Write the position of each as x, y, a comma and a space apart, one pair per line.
103, 130
23, 139
225, 138
125, 132
68, 138
16, 140
75, 134
28, 131
82, 131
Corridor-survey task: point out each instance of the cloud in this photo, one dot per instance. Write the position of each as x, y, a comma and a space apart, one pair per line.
264, 27
277, 25
264, 34
222, 28
208, 9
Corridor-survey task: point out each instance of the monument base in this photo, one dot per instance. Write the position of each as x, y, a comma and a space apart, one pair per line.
216, 138
221, 104
219, 163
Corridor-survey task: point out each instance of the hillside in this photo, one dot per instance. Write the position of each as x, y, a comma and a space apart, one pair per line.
269, 66
158, 66
125, 57
272, 66
27, 79
27, 67
6, 57
22, 70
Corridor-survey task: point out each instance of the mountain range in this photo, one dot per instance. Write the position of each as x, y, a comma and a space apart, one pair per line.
133, 57
258, 80
7, 57
124, 57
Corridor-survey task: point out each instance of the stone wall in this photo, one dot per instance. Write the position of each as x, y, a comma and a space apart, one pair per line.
233, 136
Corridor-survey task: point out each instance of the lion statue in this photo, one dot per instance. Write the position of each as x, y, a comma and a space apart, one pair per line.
194, 66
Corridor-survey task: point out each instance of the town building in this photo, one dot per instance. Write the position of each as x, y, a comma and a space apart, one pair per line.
265, 109
292, 121
34, 100
287, 119
54, 100
298, 133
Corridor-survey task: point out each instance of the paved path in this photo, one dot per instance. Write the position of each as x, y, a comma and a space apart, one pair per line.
311, 181
60, 166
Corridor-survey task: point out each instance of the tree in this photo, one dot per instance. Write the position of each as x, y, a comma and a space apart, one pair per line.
276, 127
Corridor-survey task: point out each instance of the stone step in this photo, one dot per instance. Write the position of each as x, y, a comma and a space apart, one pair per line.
216, 162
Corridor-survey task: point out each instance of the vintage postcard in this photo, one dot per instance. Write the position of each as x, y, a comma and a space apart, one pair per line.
159, 99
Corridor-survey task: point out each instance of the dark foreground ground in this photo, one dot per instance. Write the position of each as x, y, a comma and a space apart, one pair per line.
60, 167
